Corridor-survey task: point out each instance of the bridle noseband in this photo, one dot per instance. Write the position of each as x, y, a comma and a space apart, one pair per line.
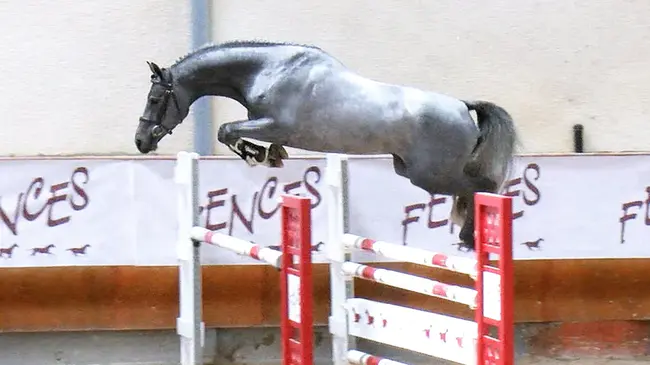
159, 129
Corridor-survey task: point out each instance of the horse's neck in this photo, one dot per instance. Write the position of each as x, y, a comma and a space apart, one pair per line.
227, 73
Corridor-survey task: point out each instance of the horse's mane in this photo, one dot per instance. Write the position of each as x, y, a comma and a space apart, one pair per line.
238, 44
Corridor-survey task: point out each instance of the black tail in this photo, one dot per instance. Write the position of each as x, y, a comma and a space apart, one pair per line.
495, 148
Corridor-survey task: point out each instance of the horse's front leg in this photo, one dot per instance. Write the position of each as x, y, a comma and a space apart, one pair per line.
263, 129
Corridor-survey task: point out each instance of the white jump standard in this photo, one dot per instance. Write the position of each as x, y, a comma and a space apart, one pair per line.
294, 262
450, 338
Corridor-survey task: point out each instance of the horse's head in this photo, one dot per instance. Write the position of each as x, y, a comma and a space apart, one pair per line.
162, 113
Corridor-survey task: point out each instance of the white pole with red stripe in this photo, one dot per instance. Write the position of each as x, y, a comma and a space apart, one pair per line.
412, 283
415, 255
238, 246
361, 358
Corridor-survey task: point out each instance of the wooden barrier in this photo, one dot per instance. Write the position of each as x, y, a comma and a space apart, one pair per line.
133, 298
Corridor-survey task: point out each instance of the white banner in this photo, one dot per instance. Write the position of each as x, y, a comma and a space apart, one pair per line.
236, 199
66, 212
564, 207
123, 212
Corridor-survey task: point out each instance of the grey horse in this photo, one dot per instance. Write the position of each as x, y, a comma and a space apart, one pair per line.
300, 96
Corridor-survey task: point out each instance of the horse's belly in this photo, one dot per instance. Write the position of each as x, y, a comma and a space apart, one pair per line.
347, 136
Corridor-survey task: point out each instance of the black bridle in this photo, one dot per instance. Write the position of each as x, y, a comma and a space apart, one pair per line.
160, 129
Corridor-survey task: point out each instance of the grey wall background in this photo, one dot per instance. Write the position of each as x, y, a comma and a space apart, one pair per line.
74, 76
551, 63
76, 70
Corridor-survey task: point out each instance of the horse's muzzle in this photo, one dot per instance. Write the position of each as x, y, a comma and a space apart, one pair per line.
145, 144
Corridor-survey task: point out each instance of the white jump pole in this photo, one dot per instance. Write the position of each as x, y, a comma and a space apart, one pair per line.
189, 324
361, 358
412, 254
238, 246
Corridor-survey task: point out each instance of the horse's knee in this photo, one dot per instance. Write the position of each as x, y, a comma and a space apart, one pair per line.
459, 208
462, 214
478, 179
399, 166
485, 184
466, 234
224, 135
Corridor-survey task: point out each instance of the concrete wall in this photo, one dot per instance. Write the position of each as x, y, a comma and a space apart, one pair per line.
75, 79
74, 76
550, 63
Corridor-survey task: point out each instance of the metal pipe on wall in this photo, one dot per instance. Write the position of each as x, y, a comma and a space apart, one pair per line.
201, 28
578, 138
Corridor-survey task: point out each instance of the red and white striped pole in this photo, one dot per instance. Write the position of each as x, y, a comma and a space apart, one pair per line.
412, 283
361, 358
238, 246
415, 255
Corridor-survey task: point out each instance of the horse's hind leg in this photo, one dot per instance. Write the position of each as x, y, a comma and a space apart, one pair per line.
436, 174
439, 171
263, 129
464, 207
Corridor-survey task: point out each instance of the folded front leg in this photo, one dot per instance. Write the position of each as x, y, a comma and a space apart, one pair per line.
263, 129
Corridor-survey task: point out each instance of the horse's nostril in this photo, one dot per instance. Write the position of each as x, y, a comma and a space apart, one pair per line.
138, 143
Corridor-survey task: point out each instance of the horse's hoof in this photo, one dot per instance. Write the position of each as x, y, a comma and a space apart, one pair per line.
281, 151
464, 246
275, 163
222, 133
278, 151
275, 155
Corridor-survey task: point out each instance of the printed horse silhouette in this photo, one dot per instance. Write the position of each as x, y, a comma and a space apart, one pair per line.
43, 250
78, 250
9, 251
300, 96
533, 244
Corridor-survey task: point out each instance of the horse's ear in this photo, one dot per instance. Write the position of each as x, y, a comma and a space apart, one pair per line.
154, 69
